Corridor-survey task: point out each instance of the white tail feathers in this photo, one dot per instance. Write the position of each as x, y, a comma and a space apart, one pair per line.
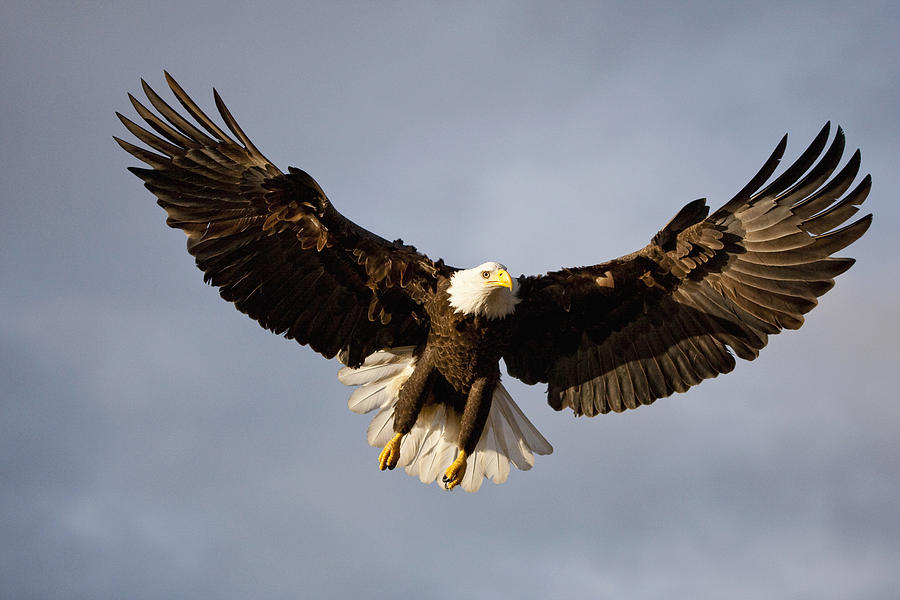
430, 447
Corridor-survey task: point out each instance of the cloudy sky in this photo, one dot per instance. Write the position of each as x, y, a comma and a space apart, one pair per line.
155, 443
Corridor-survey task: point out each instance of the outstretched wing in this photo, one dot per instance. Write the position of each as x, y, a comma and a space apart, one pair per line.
624, 333
273, 243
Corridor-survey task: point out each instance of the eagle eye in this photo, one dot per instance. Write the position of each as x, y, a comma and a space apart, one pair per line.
486, 274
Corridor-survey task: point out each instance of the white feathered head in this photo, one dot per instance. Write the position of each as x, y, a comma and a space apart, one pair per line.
486, 291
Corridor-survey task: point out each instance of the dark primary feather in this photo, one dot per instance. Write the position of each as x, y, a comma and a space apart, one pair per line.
624, 333
272, 242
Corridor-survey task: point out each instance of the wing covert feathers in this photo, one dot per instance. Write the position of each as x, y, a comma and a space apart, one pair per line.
706, 288
272, 242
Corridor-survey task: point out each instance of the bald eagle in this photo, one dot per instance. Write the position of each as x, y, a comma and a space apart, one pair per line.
423, 340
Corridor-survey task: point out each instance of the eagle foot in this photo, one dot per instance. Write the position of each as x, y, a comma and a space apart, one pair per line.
454, 474
391, 453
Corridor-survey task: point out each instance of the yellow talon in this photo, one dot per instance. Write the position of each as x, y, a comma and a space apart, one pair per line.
454, 474
391, 453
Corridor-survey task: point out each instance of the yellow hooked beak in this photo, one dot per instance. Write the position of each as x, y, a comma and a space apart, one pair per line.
502, 279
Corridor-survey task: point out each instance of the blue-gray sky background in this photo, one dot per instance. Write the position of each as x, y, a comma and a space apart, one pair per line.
155, 443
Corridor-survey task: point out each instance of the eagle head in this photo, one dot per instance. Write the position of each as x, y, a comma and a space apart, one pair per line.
485, 291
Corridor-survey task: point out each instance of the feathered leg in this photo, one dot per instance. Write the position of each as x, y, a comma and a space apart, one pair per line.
474, 417
409, 404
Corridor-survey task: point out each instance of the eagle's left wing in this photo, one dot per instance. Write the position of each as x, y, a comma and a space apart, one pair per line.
624, 333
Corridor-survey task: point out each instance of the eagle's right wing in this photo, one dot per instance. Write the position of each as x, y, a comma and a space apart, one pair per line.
273, 243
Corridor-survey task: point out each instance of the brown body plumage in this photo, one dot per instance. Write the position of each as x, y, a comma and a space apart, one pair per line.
459, 366
423, 340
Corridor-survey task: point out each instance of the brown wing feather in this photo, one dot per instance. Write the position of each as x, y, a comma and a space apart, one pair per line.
624, 333
272, 242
